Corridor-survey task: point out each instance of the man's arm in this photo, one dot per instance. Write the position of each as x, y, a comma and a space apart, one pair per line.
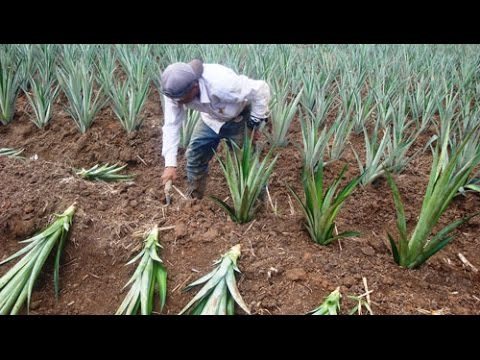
174, 116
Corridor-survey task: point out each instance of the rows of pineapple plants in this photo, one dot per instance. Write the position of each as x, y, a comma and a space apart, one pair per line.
242, 162
217, 296
391, 95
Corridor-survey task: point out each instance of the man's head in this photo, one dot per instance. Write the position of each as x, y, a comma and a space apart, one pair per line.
180, 80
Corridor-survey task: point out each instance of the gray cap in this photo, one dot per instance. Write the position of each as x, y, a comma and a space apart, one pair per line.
178, 78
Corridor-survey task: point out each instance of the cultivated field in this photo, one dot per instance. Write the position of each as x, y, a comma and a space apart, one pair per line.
403, 118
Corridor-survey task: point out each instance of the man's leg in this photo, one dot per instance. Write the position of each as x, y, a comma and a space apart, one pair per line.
233, 132
200, 150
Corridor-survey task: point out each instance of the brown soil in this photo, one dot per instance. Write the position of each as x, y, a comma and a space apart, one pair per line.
283, 271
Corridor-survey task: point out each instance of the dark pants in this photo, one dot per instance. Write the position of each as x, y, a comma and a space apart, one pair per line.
204, 143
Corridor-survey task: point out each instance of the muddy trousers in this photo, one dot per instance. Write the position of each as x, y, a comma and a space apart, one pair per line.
203, 143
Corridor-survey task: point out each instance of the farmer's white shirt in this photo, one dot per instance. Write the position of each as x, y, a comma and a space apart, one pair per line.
223, 96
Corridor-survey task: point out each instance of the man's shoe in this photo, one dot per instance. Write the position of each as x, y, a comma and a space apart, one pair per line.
196, 188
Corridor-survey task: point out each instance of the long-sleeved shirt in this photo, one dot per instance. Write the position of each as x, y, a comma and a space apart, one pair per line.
223, 96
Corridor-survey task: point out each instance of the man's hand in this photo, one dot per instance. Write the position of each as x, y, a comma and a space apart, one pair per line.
170, 173
254, 122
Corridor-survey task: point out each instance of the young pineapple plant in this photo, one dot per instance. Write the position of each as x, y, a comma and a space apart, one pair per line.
105, 66
314, 142
105, 172
283, 114
41, 98
330, 305
17, 284
42, 88
320, 206
444, 182
375, 154
472, 185
128, 99
467, 121
150, 274
84, 101
188, 126
15, 153
338, 134
129, 96
246, 177
219, 292
10, 85
361, 303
